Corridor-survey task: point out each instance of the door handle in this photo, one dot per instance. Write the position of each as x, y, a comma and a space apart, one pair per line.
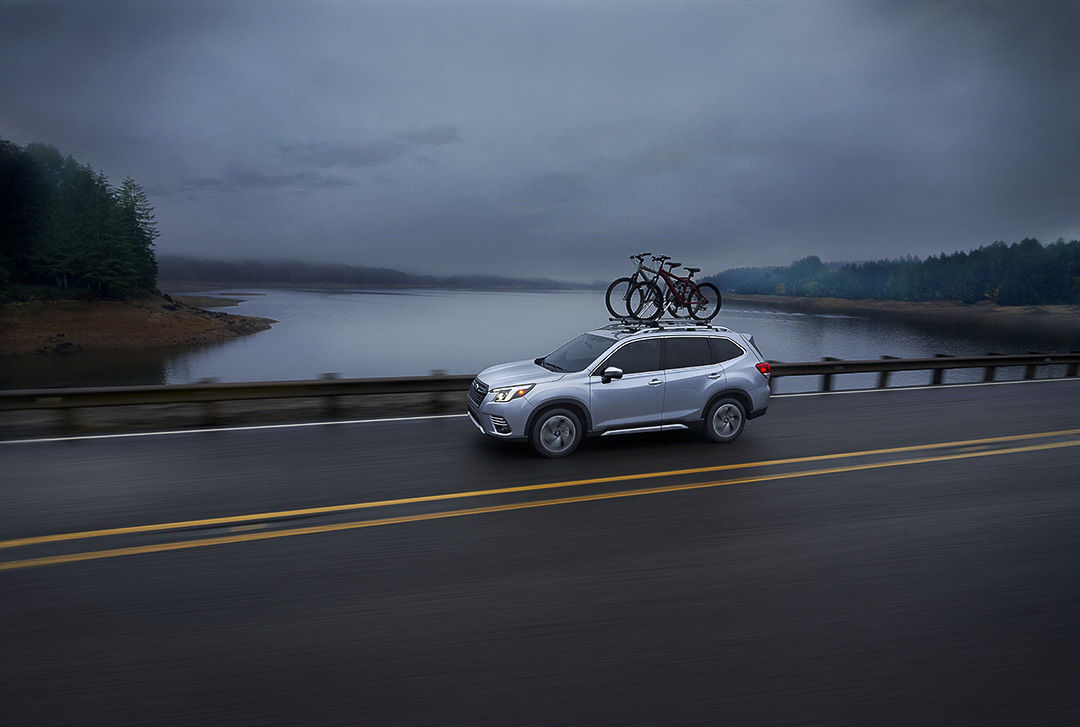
655, 382
716, 375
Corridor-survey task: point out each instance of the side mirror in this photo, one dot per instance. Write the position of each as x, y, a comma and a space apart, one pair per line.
610, 373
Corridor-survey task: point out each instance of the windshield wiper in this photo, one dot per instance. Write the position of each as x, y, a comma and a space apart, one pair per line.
549, 366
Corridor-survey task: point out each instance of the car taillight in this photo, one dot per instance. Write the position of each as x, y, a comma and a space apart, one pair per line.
763, 367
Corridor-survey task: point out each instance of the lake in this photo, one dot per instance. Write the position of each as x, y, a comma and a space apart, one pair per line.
374, 333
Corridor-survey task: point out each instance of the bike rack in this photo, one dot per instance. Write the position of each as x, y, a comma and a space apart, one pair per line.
670, 324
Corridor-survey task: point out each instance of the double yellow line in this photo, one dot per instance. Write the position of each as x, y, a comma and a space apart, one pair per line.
974, 448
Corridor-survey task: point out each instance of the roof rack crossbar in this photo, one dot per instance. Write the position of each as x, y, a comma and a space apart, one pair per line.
661, 324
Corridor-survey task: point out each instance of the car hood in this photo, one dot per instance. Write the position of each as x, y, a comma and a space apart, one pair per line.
517, 373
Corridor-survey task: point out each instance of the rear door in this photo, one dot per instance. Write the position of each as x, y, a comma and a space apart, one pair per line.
691, 375
637, 399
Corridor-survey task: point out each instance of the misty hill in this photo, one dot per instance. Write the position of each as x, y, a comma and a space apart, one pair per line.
177, 268
1024, 273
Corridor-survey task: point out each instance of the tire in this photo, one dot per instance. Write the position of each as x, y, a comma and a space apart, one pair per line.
646, 302
556, 433
706, 302
618, 296
725, 420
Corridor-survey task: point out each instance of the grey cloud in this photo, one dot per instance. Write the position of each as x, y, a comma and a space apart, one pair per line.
547, 190
351, 156
663, 157
434, 136
239, 179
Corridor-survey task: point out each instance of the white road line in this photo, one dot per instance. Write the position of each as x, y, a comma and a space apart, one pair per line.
230, 429
377, 420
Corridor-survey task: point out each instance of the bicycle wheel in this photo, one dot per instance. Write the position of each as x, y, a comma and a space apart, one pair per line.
706, 302
618, 296
646, 302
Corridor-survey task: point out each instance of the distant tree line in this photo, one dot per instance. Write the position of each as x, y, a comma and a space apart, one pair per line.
1024, 273
65, 226
178, 268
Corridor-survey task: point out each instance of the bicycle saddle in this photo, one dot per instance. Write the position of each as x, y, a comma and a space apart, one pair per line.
693, 270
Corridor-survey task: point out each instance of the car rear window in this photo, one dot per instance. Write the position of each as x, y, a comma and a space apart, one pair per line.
724, 349
682, 352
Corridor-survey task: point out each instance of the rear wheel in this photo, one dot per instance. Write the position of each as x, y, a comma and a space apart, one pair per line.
618, 296
725, 420
705, 302
556, 433
646, 302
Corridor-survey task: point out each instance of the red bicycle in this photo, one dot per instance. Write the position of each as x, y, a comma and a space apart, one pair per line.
682, 297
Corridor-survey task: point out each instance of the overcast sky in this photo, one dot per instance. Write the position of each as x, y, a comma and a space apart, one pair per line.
556, 138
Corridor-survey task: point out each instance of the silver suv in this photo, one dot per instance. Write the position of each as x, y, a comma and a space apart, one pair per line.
625, 378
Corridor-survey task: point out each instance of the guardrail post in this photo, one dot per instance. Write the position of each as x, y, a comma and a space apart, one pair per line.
438, 400
210, 408
1029, 370
826, 379
939, 374
883, 376
990, 371
1073, 367
330, 402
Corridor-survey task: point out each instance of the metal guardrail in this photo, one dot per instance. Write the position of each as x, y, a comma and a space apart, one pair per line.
330, 388
886, 365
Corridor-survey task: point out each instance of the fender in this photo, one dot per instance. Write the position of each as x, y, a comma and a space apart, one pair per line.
577, 404
739, 394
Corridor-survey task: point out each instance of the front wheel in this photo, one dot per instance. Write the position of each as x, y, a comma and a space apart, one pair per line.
725, 420
556, 433
705, 302
618, 297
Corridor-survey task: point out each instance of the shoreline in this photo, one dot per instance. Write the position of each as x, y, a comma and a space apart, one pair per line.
72, 326
1061, 322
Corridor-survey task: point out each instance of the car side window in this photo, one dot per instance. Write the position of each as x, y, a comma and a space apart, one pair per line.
724, 349
682, 352
634, 358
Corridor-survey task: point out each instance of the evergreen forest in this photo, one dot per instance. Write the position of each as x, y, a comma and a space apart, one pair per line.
66, 231
1023, 273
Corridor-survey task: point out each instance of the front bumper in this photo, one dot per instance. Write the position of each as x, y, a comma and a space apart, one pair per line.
505, 421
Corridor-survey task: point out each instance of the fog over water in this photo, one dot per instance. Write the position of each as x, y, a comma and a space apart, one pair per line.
360, 334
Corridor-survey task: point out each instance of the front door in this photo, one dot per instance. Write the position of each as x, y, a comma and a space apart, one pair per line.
635, 400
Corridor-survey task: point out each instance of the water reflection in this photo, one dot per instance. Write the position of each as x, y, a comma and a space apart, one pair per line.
408, 333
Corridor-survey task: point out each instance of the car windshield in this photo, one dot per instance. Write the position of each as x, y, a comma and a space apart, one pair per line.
576, 354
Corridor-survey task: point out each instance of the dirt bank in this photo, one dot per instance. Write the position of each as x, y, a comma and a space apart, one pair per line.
158, 320
1059, 322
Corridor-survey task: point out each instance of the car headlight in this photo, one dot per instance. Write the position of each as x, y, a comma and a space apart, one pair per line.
509, 393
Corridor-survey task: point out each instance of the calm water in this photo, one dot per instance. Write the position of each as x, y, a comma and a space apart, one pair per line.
391, 333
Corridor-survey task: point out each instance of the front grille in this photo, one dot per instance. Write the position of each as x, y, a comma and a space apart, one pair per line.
477, 392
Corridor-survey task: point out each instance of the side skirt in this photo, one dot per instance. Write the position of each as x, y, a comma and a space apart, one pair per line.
642, 430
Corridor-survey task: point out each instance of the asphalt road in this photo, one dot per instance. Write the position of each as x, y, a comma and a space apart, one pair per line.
898, 557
